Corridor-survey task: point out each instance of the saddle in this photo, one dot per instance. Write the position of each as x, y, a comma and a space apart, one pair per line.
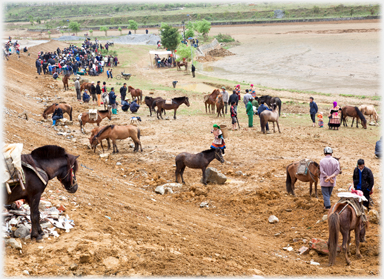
355, 203
168, 101
92, 114
303, 166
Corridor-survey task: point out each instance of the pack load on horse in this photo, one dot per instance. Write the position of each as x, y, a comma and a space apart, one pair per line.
176, 102
94, 116
13, 174
353, 112
369, 110
304, 170
210, 100
42, 165
345, 216
270, 116
136, 93
64, 107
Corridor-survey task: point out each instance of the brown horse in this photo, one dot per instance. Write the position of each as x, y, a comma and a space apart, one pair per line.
64, 107
118, 132
86, 85
93, 133
220, 106
65, 82
312, 176
353, 112
270, 116
176, 102
136, 93
369, 111
149, 102
211, 100
179, 64
101, 114
342, 218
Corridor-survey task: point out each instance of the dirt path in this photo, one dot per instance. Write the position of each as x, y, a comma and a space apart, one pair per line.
150, 234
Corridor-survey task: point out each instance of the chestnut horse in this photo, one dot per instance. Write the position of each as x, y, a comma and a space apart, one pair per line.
369, 110
179, 64
312, 176
86, 85
101, 114
65, 82
64, 107
211, 100
176, 102
342, 218
220, 106
93, 133
136, 93
353, 112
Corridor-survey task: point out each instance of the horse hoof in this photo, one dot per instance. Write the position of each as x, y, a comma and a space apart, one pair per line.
359, 256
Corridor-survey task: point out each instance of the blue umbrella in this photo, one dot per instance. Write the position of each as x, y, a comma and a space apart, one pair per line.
190, 38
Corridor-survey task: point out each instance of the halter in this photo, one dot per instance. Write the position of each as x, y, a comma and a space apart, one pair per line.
217, 156
73, 180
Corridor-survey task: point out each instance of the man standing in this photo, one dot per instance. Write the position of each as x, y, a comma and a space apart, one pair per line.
378, 149
98, 93
329, 169
255, 105
93, 92
112, 100
38, 66
262, 108
312, 110
77, 87
123, 91
250, 112
233, 115
234, 99
193, 70
246, 97
225, 98
363, 180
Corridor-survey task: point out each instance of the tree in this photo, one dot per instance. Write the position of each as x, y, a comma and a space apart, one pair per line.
91, 31
74, 26
62, 32
170, 37
48, 25
105, 29
184, 51
202, 27
189, 33
112, 20
49, 34
120, 30
38, 20
133, 25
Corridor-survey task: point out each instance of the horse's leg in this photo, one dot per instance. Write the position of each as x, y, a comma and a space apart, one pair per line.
294, 179
176, 171
357, 239
182, 173
316, 190
348, 244
273, 126
37, 232
174, 115
278, 127
204, 178
310, 189
353, 119
345, 232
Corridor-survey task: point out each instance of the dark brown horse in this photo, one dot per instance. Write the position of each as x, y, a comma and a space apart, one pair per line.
197, 161
179, 64
65, 82
312, 176
220, 105
101, 114
86, 85
114, 133
136, 93
149, 102
49, 161
94, 133
342, 218
353, 112
64, 107
176, 102
210, 101
269, 101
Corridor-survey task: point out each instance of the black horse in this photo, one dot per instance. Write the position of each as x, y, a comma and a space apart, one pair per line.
176, 102
149, 102
42, 165
268, 100
197, 161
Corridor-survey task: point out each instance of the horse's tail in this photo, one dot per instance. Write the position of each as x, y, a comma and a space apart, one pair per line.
288, 182
334, 229
154, 104
70, 114
342, 117
138, 133
361, 116
279, 104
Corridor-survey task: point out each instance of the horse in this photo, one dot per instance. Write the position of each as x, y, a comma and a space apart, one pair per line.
176, 102
64, 107
136, 93
101, 114
65, 82
86, 85
342, 218
369, 110
211, 100
43, 164
149, 101
117, 132
93, 133
269, 101
220, 106
312, 176
210, 106
197, 161
179, 64
270, 116
105, 99
353, 112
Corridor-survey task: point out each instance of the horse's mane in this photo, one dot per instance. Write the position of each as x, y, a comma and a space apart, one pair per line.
103, 111
180, 98
316, 164
208, 151
361, 116
49, 107
102, 131
48, 152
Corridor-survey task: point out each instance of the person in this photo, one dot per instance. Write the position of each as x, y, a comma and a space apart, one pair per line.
237, 89
234, 99
218, 141
86, 97
251, 89
246, 97
193, 70
313, 110
112, 100
378, 149
253, 93
107, 73
38, 66
146, 31
134, 107
233, 115
329, 169
255, 105
320, 119
262, 108
98, 93
57, 114
249, 110
225, 95
123, 91
104, 88
110, 73
55, 75
93, 92
334, 117
363, 180
125, 105
77, 87
50, 68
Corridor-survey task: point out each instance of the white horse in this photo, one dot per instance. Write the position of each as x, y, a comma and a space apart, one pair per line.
369, 110
270, 116
105, 99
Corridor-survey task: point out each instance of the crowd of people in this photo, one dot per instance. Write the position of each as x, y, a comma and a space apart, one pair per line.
12, 47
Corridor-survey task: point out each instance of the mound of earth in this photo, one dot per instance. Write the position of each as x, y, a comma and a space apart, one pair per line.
220, 52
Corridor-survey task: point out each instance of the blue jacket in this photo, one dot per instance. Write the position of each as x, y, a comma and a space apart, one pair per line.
86, 97
378, 148
262, 108
313, 108
134, 107
112, 98
38, 64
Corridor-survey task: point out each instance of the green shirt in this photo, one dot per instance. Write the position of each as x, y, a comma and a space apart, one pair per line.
255, 103
249, 108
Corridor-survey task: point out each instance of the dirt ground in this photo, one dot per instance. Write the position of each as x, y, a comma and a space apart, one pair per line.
150, 234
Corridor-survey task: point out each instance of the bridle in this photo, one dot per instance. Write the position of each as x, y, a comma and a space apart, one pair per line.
217, 155
72, 178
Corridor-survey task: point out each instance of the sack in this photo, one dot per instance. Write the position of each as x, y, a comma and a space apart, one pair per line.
303, 167
93, 114
168, 101
12, 156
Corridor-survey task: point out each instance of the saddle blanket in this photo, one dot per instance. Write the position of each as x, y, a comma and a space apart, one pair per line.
354, 201
303, 166
12, 156
168, 101
93, 114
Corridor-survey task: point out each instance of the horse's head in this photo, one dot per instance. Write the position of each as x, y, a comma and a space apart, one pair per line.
219, 155
364, 123
67, 175
187, 101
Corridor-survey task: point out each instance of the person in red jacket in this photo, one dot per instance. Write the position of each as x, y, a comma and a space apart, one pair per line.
237, 89
233, 116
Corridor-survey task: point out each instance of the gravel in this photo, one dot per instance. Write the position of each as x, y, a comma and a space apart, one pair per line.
138, 39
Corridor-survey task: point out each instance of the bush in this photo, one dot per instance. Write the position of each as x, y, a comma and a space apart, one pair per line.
224, 38
316, 9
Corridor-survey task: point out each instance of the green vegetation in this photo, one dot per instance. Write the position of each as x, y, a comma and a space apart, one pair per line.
105, 29
74, 26
202, 27
170, 37
184, 51
224, 38
120, 30
133, 25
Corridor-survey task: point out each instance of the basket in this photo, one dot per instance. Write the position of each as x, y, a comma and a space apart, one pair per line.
224, 129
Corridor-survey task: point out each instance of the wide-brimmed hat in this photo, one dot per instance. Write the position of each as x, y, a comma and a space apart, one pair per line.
223, 87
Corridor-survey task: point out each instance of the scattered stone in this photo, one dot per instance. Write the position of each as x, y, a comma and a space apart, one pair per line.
26, 272
105, 155
118, 164
85, 258
289, 248
373, 216
273, 219
204, 204
321, 246
160, 190
178, 185
21, 232
131, 145
166, 118
214, 176
325, 218
168, 190
111, 263
314, 263
14, 243
288, 210
239, 173
312, 253
304, 250
256, 271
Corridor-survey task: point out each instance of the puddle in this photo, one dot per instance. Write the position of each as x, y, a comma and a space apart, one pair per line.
198, 87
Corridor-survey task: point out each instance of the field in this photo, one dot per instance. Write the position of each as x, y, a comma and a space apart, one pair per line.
150, 234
